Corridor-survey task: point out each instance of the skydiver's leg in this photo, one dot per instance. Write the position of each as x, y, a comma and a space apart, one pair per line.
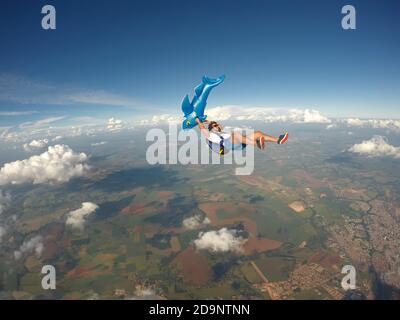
252, 138
258, 134
238, 138
258, 138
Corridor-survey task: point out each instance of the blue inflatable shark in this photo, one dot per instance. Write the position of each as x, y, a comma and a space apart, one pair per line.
194, 109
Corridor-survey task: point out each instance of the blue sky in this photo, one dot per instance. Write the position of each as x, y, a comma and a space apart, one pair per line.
129, 58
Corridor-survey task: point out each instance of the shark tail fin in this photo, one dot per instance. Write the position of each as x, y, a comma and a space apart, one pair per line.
212, 82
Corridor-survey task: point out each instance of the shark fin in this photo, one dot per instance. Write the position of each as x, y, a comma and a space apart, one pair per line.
187, 107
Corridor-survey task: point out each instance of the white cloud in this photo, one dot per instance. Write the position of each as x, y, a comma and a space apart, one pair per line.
102, 98
36, 144
307, 116
114, 124
194, 222
40, 123
166, 118
99, 143
331, 126
5, 199
77, 218
266, 114
26, 91
376, 147
33, 245
58, 164
7, 135
16, 113
162, 119
239, 113
390, 124
223, 240
57, 138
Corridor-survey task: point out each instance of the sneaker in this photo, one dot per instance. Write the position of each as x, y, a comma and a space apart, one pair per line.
283, 138
260, 143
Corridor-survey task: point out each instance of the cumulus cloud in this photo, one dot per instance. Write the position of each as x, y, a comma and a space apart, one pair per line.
331, 126
239, 113
223, 240
77, 218
5, 199
33, 245
58, 164
389, 124
162, 119
376, 147
114, 124
267, 114
95, 144
195, 221
36, 144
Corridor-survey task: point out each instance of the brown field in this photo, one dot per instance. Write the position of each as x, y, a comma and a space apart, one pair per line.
397, 212
194, 266
138, 208
353, 194
211, 208
270, 186
32, 263
50, 250
260, 245
217, 197
106, 257
328, 261
164, 196
36, 223
360, 206
136, 233
303, 177
256, 182
81, 272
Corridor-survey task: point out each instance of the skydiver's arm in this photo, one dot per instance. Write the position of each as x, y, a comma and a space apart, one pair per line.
203, 129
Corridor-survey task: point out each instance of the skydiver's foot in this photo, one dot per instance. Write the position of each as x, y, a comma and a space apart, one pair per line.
260, 143
283, 138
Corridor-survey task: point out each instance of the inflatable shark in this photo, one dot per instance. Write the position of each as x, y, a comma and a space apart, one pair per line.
194, 109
